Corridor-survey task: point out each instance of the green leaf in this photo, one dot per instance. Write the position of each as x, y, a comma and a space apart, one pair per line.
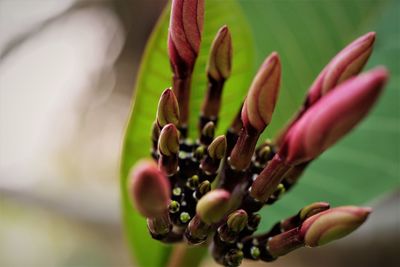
307, 34
154, 76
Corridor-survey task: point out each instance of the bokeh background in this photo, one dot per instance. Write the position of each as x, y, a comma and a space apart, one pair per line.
67, 72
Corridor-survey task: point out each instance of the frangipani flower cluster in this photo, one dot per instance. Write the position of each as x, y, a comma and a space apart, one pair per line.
209, 191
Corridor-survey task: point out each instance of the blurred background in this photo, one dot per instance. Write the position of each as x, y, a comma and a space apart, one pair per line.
67, 72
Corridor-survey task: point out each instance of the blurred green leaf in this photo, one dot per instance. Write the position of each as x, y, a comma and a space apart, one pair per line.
307, 34
154, 76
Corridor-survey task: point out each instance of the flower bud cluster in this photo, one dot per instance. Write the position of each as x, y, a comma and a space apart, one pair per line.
211, 189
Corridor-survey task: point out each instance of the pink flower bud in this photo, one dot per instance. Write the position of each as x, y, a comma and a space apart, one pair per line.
263, 93
149, 189
332, 224
332, 117
186, 25
346, 63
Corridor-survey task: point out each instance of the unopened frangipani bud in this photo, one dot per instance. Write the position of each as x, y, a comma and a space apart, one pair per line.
149, 189
217, 148
168, 143
234, 257
237, 220
168, 110
263, 94
184, 37
332, 224
302, 215
344, 65
203, 188
168, 148
219, 62
332, 117
159, 226
207, 133
212, 207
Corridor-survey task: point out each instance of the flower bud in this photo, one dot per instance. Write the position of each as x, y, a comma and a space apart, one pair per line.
347, 63
263, 93
237, 220
332, 224
219, 62
302, 215
203, 189
168, 144
149, 189
184, 37
197, 231
312, 209
332, 117
168, 110
217, 148
213, 206
269, 179
159, 226
233, 258
207, 133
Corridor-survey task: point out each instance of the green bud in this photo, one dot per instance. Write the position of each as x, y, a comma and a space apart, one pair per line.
208, 130
199, 152
204, 187
233, 258
213, 206
169, 140
184, 217
174, 206
193, 182
219, 63
217, 148
312, 209
168, 110
159, 226
177, 191
255, 252
237, 220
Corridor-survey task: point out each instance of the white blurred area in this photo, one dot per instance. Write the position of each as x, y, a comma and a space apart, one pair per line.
67, 71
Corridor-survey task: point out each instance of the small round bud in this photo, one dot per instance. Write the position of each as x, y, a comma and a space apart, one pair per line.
213, 206
174, 206
184, 217
233, 258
